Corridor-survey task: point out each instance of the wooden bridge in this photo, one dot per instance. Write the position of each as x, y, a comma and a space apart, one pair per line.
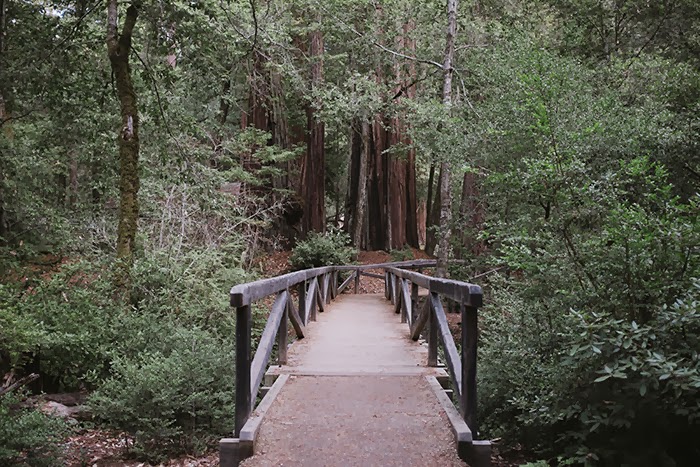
363, 383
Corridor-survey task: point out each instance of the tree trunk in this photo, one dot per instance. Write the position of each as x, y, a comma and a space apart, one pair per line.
472, 215
313, 181
3, 122
378, 209
411, 221
352, 200
118, 50
430, 238
434, 216
445, 199
359, 221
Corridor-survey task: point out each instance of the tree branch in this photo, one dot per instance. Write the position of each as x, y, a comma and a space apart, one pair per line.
20, 382
381, 46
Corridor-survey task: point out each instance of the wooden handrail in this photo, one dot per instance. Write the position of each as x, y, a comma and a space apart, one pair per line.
462, 368
461, 292
319, 286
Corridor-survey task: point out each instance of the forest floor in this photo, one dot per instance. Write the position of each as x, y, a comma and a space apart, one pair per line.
95, 447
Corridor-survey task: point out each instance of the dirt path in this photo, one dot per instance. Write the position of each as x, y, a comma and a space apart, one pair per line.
355, 421
358, 396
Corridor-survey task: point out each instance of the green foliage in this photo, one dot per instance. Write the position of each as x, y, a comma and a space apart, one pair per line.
403, 254
331, 248
29, 437
174, 396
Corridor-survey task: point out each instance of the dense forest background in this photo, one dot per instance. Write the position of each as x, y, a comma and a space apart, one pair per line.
152, 152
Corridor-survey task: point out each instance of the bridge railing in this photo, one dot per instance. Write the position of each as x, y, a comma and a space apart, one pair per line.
317, 287
402, 288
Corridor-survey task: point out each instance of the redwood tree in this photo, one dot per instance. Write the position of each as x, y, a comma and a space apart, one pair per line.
313, 172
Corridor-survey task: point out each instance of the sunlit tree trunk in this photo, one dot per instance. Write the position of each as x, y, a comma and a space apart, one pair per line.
118, 49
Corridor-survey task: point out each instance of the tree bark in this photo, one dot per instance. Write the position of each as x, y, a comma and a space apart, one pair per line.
445, 199
359, 221
352, 199
3, 117
429, 248
433, 215
314, 174
472, 215
118, 50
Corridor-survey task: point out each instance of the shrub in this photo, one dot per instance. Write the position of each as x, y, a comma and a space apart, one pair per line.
404, 254
59, 323
331, 248
28, 436
173, 397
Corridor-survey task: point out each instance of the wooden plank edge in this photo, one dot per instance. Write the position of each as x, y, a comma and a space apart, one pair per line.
475, 453
233, 451
459, 427
250, 430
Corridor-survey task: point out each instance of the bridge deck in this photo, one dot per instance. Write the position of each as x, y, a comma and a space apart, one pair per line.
357, 395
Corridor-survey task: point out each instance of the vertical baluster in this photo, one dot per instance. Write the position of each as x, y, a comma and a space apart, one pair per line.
282, 334
469, 346
414, 301
432, 337
386, 285
314, 300
301, 289
243, 358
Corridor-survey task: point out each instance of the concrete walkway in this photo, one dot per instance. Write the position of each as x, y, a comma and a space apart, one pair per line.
358, 396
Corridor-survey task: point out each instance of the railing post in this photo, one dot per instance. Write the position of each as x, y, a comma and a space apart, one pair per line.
432, 337
282, 334
404, 306
390, 286
386, 284
243, 357
314, 300
301, 290
334, 284
357, 280
399, 295
414, 301
469, 345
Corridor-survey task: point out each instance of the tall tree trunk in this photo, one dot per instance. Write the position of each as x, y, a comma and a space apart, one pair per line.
472, 215
3, 121
378, 209
359, 222
430, 237
434, 216
313, 182
352, 199
411, 220
118, 50
445, 198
